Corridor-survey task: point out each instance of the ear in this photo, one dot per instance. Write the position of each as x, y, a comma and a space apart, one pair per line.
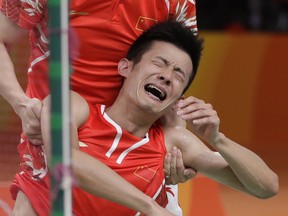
123, 67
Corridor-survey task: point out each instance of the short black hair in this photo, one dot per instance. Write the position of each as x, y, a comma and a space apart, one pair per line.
172, 32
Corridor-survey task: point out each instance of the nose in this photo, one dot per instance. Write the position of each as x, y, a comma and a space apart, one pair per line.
166, 77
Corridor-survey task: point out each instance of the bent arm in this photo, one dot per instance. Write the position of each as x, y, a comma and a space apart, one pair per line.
99, 180
232, 164
26, 108
10, 88
235, 166
94, 176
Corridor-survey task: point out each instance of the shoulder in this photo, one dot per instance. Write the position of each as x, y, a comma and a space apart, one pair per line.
80, 109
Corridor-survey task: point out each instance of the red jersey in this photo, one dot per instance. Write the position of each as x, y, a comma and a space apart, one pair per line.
138, 160
105, 30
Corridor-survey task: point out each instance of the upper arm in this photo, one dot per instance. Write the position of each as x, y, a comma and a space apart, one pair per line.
79, 109
79, 114
195, 153
9, 31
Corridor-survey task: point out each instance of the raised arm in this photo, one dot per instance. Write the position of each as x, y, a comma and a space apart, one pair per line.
26, 108
232, 164
94, 176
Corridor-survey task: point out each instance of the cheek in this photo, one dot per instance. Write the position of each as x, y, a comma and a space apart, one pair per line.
179, 87
176, 96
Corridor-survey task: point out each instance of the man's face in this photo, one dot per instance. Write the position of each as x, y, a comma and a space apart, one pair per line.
158, 80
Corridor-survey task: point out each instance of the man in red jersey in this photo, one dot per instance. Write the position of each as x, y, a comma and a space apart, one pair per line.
113, 28
158, 68
21, 17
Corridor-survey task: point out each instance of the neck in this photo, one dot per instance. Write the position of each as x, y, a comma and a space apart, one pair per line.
131, 118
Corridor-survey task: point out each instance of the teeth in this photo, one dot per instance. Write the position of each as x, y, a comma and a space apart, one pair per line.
155, 91
154, 87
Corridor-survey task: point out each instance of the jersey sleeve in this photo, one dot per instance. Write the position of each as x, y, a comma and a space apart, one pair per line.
184, 11
26, 14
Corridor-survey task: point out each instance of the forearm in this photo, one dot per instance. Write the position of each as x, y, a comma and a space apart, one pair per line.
249, 168
10, 88
99, 180
236, 166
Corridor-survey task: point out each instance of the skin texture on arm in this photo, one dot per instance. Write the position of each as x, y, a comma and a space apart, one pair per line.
26, 108
175, 171
92, 180
232, 164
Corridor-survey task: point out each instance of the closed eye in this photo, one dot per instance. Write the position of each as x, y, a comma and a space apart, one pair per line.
180, 73
157, 63
161, 61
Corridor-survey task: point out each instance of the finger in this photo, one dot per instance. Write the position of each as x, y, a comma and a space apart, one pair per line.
194, 107
206, 120
188, 101
36, 142
34, 126
180, 166
30, 120
167, 163
33, 110
189, 173
37, 111
33, 136
173, 170
202, 113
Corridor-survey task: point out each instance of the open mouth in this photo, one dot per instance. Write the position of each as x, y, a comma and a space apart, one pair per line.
156, 92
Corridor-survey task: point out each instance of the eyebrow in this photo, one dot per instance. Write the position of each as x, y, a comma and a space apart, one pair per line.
166, 62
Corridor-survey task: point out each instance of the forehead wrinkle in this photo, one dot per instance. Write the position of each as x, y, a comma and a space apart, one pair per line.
166, 62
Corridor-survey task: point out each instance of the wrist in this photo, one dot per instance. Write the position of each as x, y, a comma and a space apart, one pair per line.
19, 104
219, 140
149, 207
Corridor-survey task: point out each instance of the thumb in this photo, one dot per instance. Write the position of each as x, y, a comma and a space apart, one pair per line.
37, 108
